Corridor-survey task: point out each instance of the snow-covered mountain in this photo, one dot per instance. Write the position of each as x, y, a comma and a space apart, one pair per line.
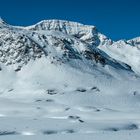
62, 78
59, 41
125, 51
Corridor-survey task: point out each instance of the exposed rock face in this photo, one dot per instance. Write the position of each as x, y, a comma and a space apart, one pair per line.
135, 42
55, 39
58, 40
88, 34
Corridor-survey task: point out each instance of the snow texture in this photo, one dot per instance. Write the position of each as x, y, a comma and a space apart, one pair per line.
66, 80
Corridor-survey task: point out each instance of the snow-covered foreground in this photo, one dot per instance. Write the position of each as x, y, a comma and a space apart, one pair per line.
64, 80
70, 115
77, 105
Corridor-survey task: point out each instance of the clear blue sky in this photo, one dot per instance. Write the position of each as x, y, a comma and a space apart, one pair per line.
115, 18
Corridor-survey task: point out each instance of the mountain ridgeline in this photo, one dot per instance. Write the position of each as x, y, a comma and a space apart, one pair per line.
64, 41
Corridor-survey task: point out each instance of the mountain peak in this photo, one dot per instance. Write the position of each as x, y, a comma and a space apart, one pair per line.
83, 32
59, 40
64, 26
71, 24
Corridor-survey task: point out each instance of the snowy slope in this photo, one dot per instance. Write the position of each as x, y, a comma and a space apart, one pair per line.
125, 51
66, 80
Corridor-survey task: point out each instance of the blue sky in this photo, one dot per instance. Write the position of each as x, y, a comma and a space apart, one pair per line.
115, 18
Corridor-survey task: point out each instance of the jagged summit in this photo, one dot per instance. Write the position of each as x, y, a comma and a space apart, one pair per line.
59, 40
80, 31
60, 24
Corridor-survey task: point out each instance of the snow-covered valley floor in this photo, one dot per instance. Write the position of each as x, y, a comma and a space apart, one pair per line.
46, 117
81, 113
73, 104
